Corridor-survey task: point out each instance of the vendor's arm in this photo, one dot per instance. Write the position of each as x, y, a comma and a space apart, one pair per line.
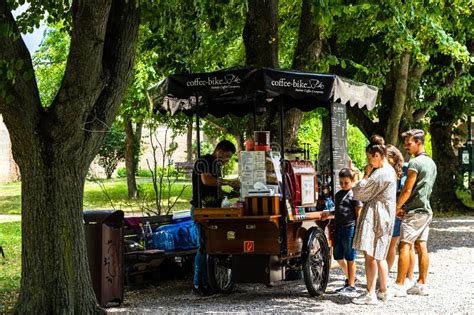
406, 191
210, 180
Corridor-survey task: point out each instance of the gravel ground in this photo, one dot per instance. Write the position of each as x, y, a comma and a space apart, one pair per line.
451, 278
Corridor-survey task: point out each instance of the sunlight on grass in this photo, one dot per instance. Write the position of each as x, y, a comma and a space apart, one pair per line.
10, 198
10, 267
112, 194
104, 194
465, 196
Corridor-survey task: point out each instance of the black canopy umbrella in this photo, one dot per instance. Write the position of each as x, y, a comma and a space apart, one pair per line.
244, 91
253, 90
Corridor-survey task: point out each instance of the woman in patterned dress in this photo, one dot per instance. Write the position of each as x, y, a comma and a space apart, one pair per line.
377, 190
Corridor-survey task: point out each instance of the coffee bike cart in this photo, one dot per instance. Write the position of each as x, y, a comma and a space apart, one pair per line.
264, 240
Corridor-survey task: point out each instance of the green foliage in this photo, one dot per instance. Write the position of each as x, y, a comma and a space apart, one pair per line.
428, 146
206, 148
289, 15
201, 37
141, 172
310, 132
49, 62
356, 144
112, 150
12, 71
163, 174
122, 172
38, 11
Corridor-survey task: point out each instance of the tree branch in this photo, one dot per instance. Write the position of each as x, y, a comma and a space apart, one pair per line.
117, 61
22, 112
358, 118
310, 44
398, 106
84, 76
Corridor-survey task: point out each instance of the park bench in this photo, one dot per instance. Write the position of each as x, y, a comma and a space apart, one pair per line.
185, 168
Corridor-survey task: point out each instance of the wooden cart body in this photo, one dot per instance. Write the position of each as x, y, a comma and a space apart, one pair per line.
255, 243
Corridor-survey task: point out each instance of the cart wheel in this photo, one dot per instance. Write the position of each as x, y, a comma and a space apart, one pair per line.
316, 261
219, 271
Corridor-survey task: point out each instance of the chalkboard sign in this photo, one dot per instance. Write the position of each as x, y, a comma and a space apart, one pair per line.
339, 141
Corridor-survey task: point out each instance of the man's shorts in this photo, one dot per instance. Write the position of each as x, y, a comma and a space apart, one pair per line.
343, 243
415, 227
396, 227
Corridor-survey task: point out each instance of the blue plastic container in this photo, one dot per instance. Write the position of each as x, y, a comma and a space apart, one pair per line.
176, 236
163, 240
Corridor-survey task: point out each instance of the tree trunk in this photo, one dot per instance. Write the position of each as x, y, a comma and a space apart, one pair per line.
189, 142
260, 37
260, 33
444, 196
55, 271
358, 118
398, 107
307, 54
55, 146
132, 152
413, 116
324, 156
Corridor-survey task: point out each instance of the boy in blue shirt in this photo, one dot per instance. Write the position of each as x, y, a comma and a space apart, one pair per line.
347, 211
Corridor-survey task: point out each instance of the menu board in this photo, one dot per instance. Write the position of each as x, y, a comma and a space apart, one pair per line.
251, 170
307, 190
339, 141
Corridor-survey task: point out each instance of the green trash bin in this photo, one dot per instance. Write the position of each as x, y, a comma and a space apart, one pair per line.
104, 240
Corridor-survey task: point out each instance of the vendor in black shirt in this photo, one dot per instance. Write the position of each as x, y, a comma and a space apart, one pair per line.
207, 170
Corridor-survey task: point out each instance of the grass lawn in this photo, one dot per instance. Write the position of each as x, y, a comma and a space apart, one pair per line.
103, 194
10, 267
465, 196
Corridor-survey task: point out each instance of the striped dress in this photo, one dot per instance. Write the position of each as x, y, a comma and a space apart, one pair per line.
375, 225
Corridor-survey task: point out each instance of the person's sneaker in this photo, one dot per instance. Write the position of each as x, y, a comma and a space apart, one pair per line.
346, 284
349, 291
366, 298
419, 289
398, 290
384, 296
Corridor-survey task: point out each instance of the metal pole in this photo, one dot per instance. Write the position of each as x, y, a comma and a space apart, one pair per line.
284, 211
254, 114
333, 186
198, 138
469, 146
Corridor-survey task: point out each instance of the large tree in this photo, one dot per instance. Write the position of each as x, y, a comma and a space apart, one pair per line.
55, 144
